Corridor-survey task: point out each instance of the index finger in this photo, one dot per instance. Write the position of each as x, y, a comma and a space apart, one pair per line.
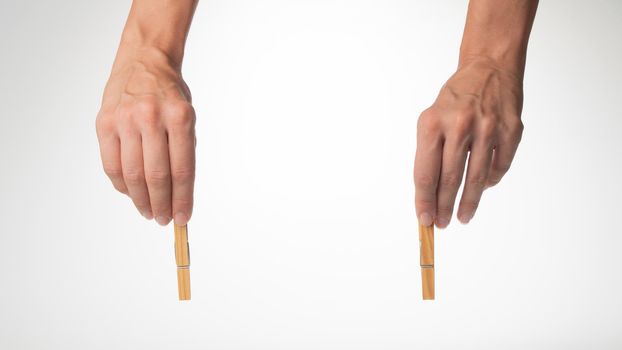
181, 139
427, 169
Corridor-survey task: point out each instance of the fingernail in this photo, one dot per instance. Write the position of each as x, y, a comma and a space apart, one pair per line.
147, 214
465, 218
442, 222
162, 220
181, 219
425, 219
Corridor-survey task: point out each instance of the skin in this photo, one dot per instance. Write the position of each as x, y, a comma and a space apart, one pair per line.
477, 113
145, 126
146, 123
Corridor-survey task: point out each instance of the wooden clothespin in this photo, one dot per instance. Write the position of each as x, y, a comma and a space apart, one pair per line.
182, 258
426, 246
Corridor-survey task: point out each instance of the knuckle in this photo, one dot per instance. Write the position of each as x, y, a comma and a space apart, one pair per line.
424, 202
183, 174
469, 206
502, 168
142, 205
487, 128
113, 171
182, 120
183, 202
519, 124
161, 208
445, 210
492, 182
515, 128
146, 113
124, 110
429, 121
478, 180
463, 121
464, 114
451, 179
158, 177
102, 123
146, 106
133, 177
120, 188
425, 181
182, 114
181, 108
148, 119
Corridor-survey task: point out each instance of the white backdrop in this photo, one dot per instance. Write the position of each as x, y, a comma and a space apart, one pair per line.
304, 234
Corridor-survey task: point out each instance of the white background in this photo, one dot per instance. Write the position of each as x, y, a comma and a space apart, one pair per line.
304, 234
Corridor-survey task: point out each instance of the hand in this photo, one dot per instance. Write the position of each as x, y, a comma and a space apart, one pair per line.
145, 129
477, 112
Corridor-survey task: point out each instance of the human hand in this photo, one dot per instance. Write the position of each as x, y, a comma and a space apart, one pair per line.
145, 129
478, 111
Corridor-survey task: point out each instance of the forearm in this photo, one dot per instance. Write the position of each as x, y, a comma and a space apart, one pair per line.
498, 31
157, 27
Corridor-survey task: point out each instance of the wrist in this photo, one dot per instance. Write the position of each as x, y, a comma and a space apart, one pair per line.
158, 29
511, 64
145, 57
505, 55
137, 46
498, 32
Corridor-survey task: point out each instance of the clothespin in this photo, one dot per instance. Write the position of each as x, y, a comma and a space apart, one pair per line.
426, 260
182, 258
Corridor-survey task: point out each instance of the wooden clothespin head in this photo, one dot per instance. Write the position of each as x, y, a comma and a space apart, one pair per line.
426, 246
182, 258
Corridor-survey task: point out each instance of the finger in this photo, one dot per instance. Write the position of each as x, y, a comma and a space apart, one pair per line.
110, 151
480, 158
501, 161
133, 172
452, 168
427, 169
158, 174
182, 158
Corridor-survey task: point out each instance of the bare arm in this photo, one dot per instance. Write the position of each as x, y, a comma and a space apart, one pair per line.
477, 113
145, 126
